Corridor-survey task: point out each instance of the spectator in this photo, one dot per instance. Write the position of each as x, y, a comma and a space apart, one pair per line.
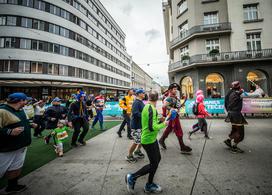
39, 111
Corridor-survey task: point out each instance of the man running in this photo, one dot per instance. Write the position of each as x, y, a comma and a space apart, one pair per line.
15, 136
78, 117
126, 105
99, 105
173, 102
233, 105
136, 127
151, 125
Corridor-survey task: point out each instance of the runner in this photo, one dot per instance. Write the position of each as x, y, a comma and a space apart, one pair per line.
136, 127
151, 125
15, 136
126, 105
173, 102
99, 105
233, 105
78, 117
200, 113
60, 134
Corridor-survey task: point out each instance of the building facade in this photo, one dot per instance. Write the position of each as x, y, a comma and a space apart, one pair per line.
139, 78
54, 48
157, 87
214, 42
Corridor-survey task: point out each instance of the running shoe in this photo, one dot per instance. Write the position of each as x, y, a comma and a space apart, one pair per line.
186, 150
82, 143
235, 150
152, 188
131, 159
119, 134
15, 189
130, 183
138, 154
228, 142
162, 144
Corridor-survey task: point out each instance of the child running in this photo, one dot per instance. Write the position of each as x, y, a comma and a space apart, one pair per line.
201, 114
136, 127
59, 135
151, 125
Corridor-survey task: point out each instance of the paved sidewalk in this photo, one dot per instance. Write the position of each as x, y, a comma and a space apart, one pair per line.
100, 168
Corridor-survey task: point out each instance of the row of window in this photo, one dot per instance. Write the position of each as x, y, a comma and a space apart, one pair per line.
251, 13
253, 41
19, 66
50, 8
85, 11
52, 28
13, 42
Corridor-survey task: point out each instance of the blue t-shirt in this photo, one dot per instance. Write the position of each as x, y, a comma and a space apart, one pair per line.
137, 108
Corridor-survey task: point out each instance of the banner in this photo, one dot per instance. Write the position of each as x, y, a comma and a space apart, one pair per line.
112, 109
213, 106
257, 105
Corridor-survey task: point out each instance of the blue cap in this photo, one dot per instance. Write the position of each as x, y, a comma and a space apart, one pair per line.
16, 97
56, 99
138, 91
81, 94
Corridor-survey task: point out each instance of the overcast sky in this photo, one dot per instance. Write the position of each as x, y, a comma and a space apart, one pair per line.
142, 22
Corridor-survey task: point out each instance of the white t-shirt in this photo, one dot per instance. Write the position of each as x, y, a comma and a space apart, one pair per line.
39, 110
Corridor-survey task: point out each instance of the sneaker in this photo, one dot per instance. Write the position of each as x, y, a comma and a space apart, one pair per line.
152, 188
46, 140
130, 183
207, 137
82, 143
186, 150
138, 154
162, 144
235, 150
131, 159
15, 189
119, 134
228, 142
74, 145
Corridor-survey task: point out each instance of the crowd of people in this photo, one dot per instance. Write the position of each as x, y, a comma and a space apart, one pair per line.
142, 120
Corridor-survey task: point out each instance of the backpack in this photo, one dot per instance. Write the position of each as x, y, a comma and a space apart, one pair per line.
195, 108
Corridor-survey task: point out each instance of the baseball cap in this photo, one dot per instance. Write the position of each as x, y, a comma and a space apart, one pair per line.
138, 91
17, 97
56, 99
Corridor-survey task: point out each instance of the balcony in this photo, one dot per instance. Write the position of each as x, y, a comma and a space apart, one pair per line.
201, 29
221, 58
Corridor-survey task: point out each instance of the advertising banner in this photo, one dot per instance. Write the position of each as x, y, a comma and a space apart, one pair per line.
215, 106
257, 105
112, 109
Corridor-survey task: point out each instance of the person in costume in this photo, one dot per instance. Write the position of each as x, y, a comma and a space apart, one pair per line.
99, 105
172, 102
60, 134
78, 118
233, 105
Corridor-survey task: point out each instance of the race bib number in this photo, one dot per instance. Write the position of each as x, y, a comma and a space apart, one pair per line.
62, 135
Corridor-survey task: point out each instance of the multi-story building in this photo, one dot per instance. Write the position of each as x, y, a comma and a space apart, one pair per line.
139, 78
157, 87
214, 42
54, 48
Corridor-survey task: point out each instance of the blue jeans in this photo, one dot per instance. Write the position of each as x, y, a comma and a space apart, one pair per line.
98, 117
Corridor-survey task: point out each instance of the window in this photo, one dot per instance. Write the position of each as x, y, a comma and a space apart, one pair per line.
53, 69
183, 29
253, 41
13, 1
10, 66
182, 6
26, 22
28, 3
83, 24
2, 20
64, 50
39, 25
43, 46
2, 42
212, 44
63, 70
250, 12
3, 1
11, 42
211, 18
11, 20
24, 67
39, 5
184, 51
36, 67
64, 32
71, 71
35, 45
25, 44
54, 29
56, 48
54, 10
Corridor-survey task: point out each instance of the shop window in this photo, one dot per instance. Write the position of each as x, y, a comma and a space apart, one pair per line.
214, 85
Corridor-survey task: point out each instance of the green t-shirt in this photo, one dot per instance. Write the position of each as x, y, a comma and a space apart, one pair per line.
60, 134
150, 124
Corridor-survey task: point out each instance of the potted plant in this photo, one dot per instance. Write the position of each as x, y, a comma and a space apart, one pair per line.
213, 53
185, 59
